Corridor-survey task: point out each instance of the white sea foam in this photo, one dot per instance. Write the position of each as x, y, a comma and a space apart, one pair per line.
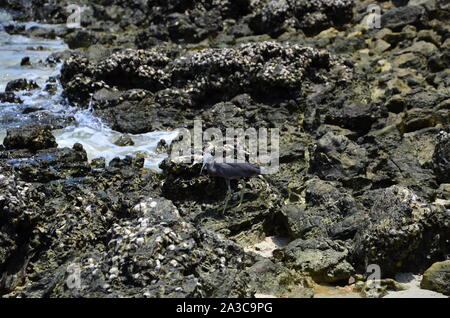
100, 143
96, 137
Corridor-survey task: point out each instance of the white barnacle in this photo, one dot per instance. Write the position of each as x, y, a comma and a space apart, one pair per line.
140, 241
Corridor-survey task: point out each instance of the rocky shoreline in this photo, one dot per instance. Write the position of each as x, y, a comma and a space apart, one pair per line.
364, 174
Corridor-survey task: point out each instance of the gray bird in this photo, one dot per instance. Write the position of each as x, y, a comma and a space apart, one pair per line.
230, 171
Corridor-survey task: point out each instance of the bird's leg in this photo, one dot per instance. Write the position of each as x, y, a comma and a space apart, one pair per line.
241, 196
228, 195
265, 182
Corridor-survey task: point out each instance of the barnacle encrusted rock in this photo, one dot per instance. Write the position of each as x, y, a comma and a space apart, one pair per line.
441, 156
274, 16
33, 137
187, 84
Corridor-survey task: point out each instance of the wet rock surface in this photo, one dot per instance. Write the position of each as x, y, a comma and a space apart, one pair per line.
364, 151
21, 85
32, 137
9, 97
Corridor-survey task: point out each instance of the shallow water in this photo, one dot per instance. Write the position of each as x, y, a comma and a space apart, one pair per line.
96, 137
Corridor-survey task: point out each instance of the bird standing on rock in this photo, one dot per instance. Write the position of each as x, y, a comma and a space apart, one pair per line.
230, 171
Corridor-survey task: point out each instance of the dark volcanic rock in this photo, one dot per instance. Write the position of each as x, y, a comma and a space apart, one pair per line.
395, 19
441, 156
403, 233
162, 255
201, 199
274, 16
362, 178
324, 261
357, 117
189, 84
21, 85
19, 212
31, 136
9, 97
159, 251
50, 164
400, 3
270, 278
335, 157
25, 61
124, 141
328, 212
190, 21
80, 39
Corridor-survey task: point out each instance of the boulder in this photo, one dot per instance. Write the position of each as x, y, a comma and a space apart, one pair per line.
437, 278
30, 136
335, 157
328, 212
324, 260
10, 97
21, 85
397, 18
268, 278
401, 233
441, 156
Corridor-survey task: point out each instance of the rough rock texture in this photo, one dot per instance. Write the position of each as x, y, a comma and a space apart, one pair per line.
19, 213
21, 85
9, 97
76, 230
274, 16
397, 18
324, 261
185, 21
441, 156
33, 137
336, 157
363, 116
398, 224
172, 88
437, 278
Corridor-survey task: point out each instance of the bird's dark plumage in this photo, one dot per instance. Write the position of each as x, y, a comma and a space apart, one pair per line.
233, 170
230, 171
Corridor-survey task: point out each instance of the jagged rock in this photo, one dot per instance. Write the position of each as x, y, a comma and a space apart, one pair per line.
269, 278
328, 212
80, 39
325, 261
401, 233
161, 253
190, 83
19, 212
124, 141
162, 146
395, 19
310, 16
335, 157
21, 85
10, 97
441, 156
30, 136
362, 179
357, 117
190, 21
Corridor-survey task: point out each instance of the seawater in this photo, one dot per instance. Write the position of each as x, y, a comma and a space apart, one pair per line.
95, 136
